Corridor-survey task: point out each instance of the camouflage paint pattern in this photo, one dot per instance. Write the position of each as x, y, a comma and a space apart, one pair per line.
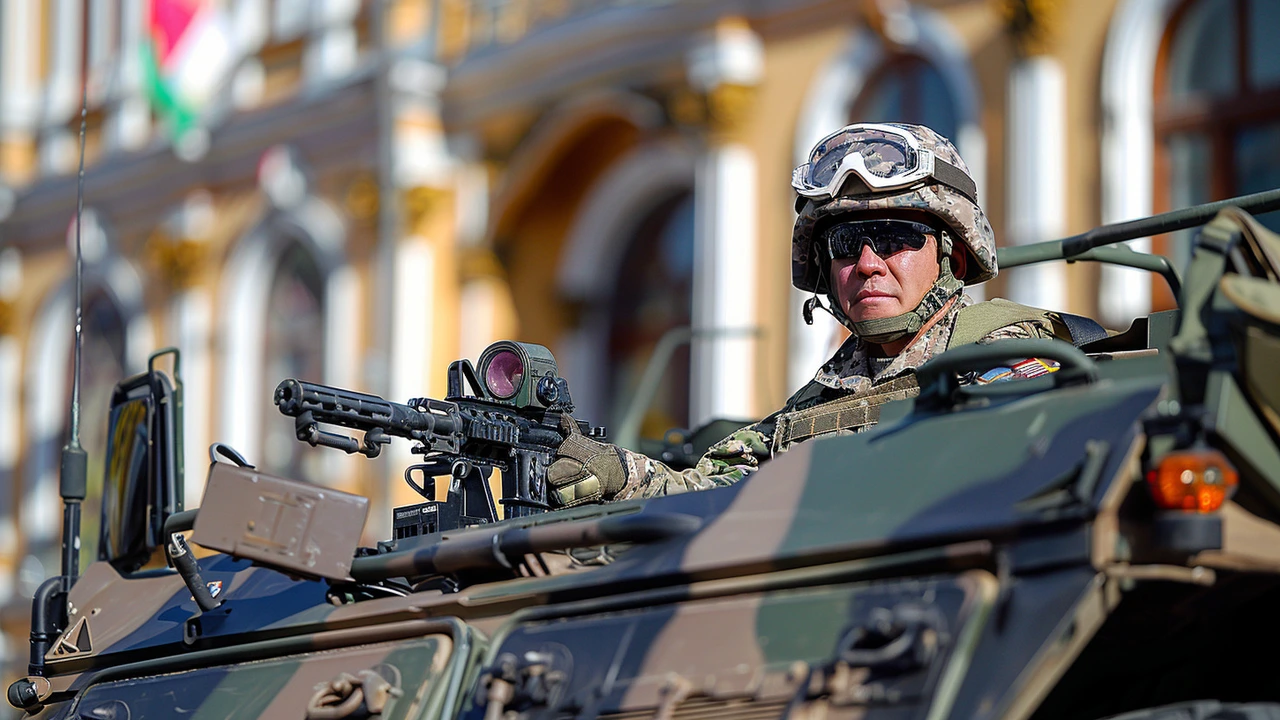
272, 688
958, 560
785, 534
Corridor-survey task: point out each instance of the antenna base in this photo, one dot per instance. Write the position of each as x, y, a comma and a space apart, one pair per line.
74, 472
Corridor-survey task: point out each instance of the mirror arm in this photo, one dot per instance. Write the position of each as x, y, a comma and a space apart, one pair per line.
180, 522
185, 563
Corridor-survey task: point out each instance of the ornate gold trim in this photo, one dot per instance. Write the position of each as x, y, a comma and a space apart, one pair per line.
723, 110
421, 201
178, 260
475, 263
8, 317
362, 199
1032, 24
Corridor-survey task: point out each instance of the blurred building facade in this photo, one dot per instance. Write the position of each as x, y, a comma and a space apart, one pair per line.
375, 189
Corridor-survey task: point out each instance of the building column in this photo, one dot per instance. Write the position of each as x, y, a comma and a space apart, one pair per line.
416, 259
1036, 150
332, 47
1036, 188
412, 316
192, 316
723, 71
1128, 145
485, 311
129, 126
19, 89
724, 313
178, 247
59, 148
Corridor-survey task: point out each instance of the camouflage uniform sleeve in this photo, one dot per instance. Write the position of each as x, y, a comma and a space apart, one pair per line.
725, 463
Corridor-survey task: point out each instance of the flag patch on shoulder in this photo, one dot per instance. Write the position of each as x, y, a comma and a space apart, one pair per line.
1029, 368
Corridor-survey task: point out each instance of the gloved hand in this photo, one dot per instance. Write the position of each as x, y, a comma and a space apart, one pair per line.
584, 470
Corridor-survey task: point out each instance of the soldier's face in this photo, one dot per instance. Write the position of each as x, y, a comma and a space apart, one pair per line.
870, 287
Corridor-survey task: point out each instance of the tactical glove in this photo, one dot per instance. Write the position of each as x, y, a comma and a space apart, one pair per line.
584, 470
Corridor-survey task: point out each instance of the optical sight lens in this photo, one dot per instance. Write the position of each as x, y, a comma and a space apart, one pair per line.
504, 375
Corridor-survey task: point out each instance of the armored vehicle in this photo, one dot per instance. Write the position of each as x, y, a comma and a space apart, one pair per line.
1098, 541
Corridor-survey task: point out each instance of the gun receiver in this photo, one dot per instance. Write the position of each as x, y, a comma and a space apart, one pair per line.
509, 421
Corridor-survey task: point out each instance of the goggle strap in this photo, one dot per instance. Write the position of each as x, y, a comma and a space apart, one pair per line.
952, 176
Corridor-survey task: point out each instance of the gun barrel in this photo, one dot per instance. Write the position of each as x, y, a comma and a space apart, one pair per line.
360, 411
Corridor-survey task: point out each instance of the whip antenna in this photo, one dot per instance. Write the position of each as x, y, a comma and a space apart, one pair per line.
73, 470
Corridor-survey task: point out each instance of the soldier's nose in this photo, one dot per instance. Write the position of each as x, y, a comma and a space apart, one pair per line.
869, 263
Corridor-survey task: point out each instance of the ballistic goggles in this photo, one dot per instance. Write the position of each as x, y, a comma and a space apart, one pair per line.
883, 156
886, 237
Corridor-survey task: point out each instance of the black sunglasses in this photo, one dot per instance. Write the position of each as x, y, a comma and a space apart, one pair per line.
886, 237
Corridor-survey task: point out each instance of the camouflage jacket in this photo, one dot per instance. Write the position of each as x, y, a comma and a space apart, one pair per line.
851, 370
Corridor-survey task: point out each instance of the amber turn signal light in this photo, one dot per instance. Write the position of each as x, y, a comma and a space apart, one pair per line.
1197, 480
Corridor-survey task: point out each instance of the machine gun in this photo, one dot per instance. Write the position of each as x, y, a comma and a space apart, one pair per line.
507, 417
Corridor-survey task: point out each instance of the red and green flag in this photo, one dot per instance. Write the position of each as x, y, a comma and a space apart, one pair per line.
188, 54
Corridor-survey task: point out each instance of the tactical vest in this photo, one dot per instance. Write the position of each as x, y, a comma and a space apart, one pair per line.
853, 413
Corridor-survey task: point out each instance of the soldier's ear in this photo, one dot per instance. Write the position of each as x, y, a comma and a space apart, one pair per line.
959, 263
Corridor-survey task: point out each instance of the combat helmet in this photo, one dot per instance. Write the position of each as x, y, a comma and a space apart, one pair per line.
889, 170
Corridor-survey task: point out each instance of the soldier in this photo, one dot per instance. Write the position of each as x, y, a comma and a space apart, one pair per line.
890, 231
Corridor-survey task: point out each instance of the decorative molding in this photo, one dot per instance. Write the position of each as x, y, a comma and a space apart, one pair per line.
10, 289
476, 263
723, 69
722, 110
8, 317
728, 105
421, 201
177, 247
1031, 23
686, 107
177, 259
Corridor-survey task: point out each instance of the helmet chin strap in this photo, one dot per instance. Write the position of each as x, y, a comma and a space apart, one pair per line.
879, 331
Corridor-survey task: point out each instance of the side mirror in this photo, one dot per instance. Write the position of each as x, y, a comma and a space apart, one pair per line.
142, 476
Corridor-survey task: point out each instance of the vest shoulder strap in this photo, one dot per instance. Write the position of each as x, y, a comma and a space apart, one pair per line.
981, 319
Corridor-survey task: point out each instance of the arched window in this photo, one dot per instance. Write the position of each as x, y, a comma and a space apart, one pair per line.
102, 366
293, 347
1217, 107
653, 295
907, 88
